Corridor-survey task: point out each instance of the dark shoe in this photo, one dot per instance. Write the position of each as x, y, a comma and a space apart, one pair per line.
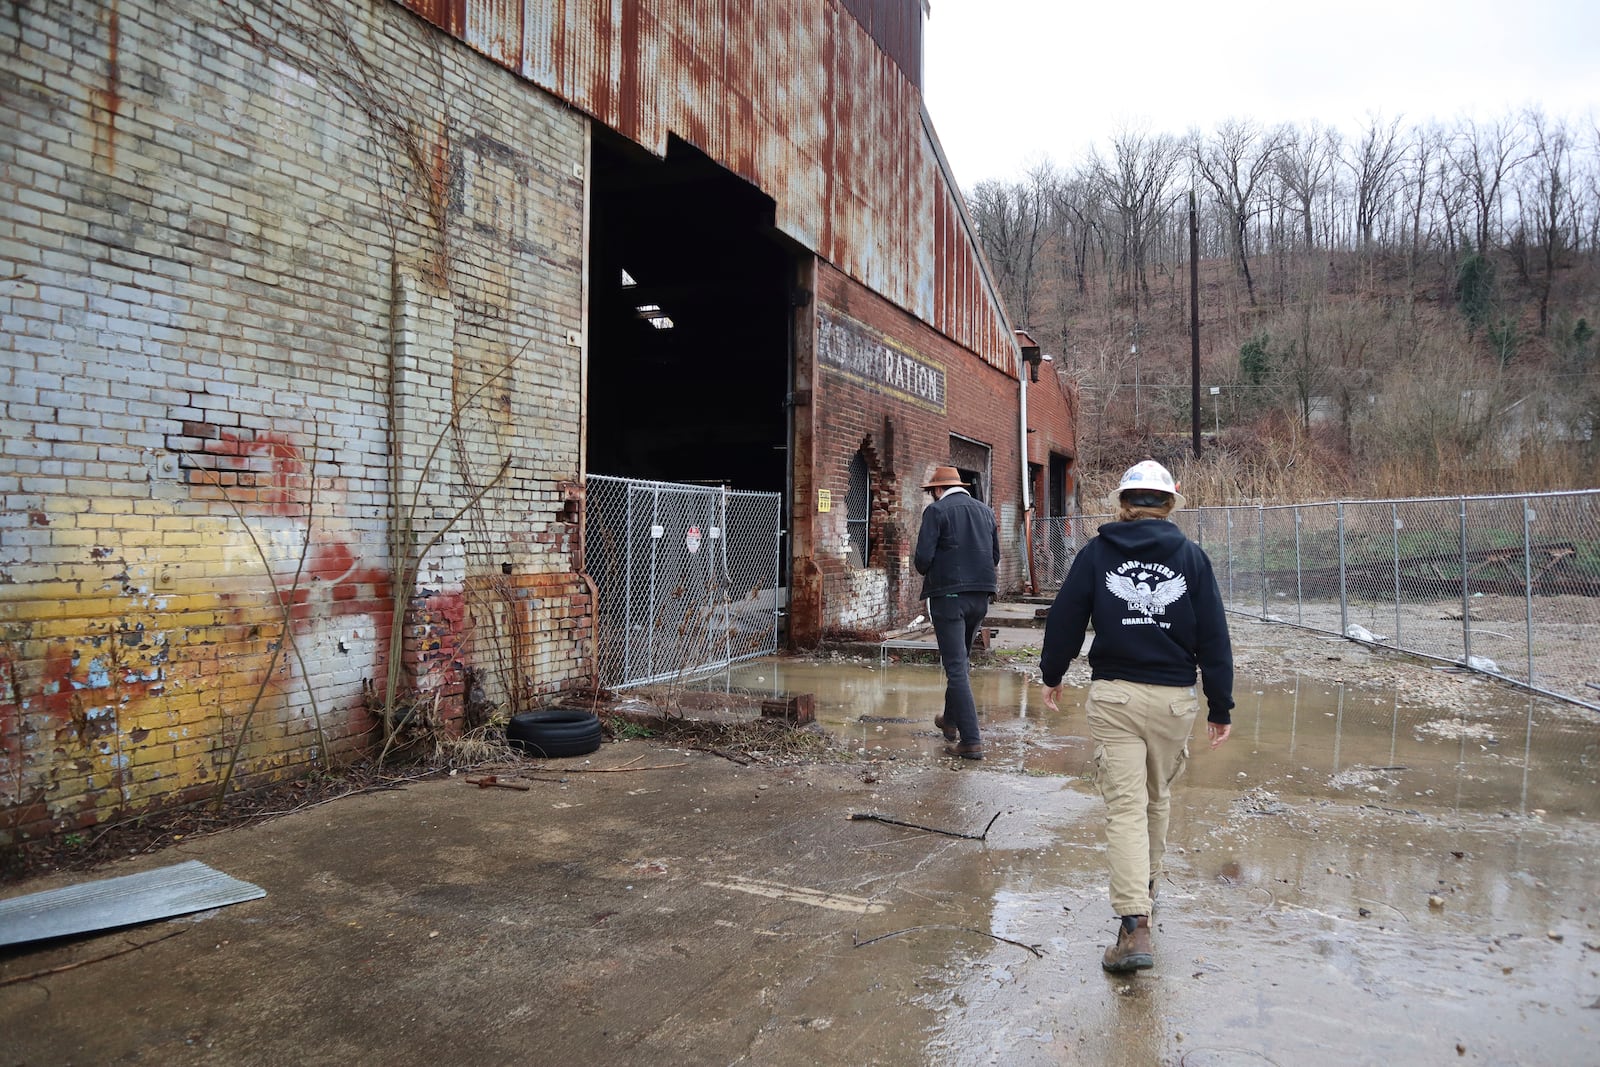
964, 750
1132, 950
951, 734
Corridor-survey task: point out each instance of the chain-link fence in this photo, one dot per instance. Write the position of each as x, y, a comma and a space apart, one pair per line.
687, 577
1506, 585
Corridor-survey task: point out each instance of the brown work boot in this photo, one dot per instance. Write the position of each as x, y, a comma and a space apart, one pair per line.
951, 734
973, 750
1132, 950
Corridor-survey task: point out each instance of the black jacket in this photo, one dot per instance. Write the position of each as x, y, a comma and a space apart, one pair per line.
958, 547
1156, 610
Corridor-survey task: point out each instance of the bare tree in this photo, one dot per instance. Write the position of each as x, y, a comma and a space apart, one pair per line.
1484, 157
1451, 203
1587, 192
1137, 181
1012, 221
1236, 161
1305, 163
1080, 228
1551, 200
1372, 162
1417, 171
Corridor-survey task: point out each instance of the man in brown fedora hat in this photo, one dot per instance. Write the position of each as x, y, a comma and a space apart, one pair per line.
958, 550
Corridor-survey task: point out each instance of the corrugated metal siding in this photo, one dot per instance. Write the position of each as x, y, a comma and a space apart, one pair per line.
816, 102
896, 26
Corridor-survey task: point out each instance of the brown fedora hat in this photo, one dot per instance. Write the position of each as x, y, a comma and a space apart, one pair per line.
943, 478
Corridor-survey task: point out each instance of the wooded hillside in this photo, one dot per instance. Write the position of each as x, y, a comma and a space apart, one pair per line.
1408, 311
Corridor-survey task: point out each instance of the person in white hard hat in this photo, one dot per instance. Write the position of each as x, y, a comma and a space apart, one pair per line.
1158, 619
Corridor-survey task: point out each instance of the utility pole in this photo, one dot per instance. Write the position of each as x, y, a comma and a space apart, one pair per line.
1194, 324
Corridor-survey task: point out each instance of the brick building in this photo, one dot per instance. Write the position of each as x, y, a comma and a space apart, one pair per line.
319, 315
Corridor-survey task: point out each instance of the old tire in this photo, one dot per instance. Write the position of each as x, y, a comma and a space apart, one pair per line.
551, 734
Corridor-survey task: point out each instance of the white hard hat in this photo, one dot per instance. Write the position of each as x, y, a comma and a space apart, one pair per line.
1151, 476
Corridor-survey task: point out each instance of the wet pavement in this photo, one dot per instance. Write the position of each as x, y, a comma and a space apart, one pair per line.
1353, 879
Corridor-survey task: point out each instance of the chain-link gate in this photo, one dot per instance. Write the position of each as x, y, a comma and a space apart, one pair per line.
687, 577
1507, 585
1056, 540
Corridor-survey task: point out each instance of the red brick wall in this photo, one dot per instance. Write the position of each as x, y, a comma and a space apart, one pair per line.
1053, 416
907, 439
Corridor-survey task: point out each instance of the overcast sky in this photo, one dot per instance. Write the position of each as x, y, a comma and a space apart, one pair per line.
1012, 82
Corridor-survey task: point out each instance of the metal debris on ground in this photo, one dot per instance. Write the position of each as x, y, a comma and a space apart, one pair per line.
862, 816
484, 781
123, 901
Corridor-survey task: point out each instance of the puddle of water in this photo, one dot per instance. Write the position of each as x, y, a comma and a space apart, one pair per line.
1304, 740
1355, 877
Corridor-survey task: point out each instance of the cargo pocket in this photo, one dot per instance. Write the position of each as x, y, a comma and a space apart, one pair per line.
1179, 764
1097, 769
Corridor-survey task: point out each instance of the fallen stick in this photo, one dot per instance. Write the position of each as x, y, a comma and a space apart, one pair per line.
856, 816
625, 767
1385, 904
82, 963
488, 780
856, 943
741, 760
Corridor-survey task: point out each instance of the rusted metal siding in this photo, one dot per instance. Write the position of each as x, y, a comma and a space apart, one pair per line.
896, 27
815, 102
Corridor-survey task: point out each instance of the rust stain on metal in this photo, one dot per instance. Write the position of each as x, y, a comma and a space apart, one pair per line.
816, 102
493, 27
449, 15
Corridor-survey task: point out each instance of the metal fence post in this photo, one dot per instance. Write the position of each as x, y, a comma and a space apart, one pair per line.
1228, 543
655, 557
1394, 521
1466, 601
721, 548
1527, 576
627, 582
1261, 528
782, 525
1344, 597
1299, 576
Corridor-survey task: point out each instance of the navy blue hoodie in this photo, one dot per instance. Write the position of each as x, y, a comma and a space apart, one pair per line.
1157, 614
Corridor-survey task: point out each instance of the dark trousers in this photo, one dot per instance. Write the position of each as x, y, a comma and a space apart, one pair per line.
955, 623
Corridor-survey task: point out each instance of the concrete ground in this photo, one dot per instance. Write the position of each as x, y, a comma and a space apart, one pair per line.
1355, 879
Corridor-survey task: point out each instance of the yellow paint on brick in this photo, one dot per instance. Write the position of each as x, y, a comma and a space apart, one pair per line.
96, 669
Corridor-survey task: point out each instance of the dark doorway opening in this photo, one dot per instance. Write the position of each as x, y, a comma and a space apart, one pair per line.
1058, 484
689, 323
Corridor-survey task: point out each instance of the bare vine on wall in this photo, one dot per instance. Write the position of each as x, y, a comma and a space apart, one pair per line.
416, 177
285, 598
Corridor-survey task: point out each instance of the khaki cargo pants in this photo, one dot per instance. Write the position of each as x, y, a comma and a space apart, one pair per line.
1141, 744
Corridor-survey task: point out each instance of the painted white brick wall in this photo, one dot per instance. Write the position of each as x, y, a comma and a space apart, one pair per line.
206, 208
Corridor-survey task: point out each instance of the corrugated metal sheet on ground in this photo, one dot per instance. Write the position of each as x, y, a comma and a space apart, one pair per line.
122, 901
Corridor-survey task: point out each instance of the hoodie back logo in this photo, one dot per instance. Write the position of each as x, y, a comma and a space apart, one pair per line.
1146, 587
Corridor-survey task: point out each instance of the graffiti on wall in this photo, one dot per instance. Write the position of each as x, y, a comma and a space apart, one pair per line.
166, 648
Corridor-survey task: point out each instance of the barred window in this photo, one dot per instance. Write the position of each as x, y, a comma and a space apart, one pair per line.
857, 507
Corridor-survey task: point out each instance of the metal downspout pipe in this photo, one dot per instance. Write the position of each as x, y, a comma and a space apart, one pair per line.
1028, 351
